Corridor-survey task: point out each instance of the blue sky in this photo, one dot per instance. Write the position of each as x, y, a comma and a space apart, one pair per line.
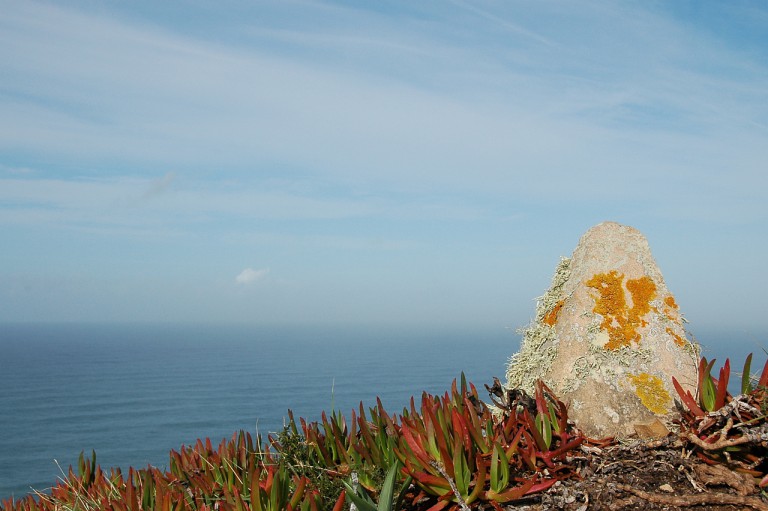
396, 163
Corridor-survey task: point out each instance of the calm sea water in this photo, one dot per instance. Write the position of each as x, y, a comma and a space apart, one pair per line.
134, 392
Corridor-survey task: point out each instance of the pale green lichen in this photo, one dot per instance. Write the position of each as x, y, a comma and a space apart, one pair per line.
672, 319
692, 347
553, 298
599, 363
539, 345
537, 351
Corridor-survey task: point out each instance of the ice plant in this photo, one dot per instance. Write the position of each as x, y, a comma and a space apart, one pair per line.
388, 501
450, 451
457, 451
725, 429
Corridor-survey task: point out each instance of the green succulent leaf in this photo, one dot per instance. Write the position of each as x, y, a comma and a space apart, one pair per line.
707, 389
388, 489
499, 469
544, 427
746, 381
363, 501
462, 474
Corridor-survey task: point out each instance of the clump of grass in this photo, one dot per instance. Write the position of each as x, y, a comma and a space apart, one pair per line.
297, 453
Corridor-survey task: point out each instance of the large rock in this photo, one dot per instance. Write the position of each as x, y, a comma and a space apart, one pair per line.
608, 336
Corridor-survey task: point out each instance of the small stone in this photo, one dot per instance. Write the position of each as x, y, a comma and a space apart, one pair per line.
667, 488
655, 429
608, 336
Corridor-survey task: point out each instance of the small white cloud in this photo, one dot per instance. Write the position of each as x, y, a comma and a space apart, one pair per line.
249, 275
160, 186
17, 171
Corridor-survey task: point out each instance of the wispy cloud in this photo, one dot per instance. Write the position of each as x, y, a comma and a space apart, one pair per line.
120, 203
16, 171
469, 112
515, 28
160, 186
413, 134
546, 115
249, 275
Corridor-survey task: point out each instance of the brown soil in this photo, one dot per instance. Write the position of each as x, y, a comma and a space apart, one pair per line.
648, 477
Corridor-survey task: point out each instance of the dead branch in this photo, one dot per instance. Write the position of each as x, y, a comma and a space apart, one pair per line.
696, 500
718, 474
721, 443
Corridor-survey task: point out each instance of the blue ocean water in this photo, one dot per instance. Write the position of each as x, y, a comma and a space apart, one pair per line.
134, 392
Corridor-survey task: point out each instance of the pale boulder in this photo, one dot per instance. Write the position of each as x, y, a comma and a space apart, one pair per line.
608, 336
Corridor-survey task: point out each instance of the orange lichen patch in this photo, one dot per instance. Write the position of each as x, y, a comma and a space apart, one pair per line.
670, 301
678, 340
643, 290
671, 309
551, 316
619, 320
650, 389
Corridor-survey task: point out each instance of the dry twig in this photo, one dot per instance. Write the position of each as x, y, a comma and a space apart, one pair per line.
697, 500
448, 478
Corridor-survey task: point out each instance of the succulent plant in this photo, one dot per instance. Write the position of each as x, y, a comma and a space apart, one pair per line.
451, 451
724, 429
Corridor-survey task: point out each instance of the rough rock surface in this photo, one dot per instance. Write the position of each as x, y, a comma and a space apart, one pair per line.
608, 336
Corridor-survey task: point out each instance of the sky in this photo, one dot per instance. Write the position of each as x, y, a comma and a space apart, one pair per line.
374, 163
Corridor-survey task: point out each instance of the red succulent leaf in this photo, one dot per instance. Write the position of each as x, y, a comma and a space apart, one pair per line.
541, 402
339, 506
414, 445
706, 459
431, 480
764, 376
546, 484
461, 428
413, 407
440, 505
298, 493
512, 494
475, 427
568, 446
479, 480
688, 399
530, 424
436, 427
514, 445
722, 385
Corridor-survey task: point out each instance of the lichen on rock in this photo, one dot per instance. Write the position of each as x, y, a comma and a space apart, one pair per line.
607, 334
650, 389
620, 320
539, 344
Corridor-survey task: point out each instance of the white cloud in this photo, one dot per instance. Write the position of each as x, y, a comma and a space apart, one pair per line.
160, 186
16, 171
555, 105
250, 275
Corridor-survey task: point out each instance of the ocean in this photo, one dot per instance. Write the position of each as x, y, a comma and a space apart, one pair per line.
134, 392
